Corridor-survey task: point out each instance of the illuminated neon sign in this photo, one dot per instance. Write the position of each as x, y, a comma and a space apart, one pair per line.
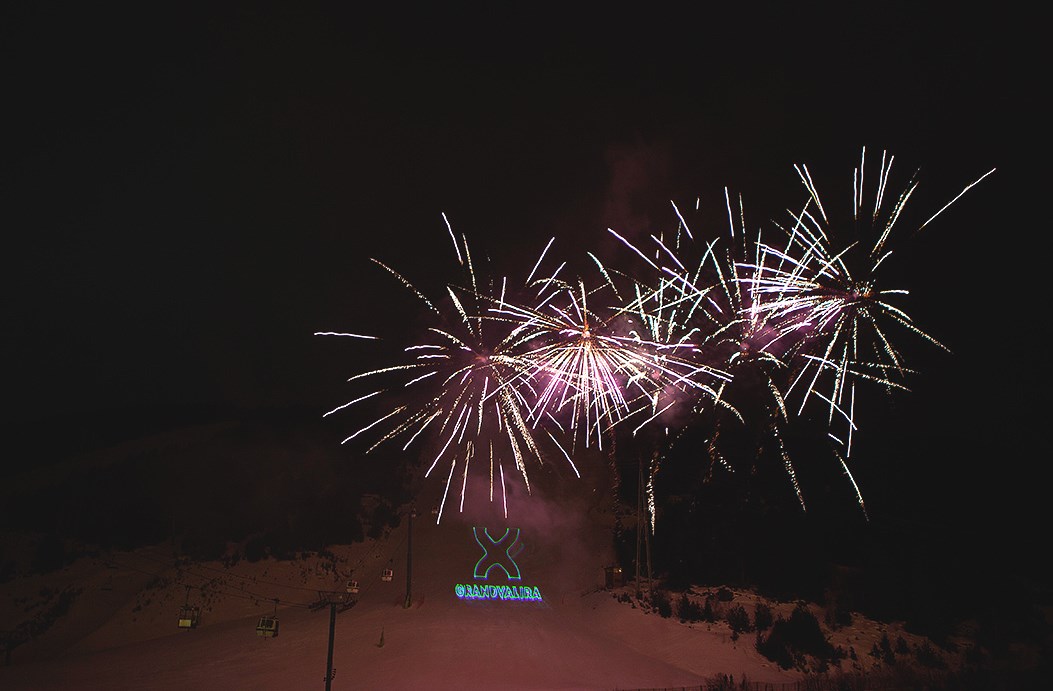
490, 559
474, 591
498, 553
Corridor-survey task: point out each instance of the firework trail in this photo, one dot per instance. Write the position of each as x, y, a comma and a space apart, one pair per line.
823, 284
736, 334
720, 314
754, 349
801, 317
587, 368
578, 371
467, 387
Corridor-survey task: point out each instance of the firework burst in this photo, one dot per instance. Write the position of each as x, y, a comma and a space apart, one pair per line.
746, 331
824, 286
591, 368
707, 303
467, 387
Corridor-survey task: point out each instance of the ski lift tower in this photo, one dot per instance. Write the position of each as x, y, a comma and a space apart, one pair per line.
409, 558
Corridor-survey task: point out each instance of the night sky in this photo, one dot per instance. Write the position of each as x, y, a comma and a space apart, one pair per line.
188, 195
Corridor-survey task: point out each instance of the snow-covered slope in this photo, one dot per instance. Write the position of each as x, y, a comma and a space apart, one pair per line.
121, 633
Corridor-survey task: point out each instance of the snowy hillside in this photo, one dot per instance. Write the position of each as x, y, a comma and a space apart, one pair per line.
120, 630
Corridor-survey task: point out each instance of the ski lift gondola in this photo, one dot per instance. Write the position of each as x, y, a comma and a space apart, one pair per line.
189, 616
267, 627
388, 573
352, 584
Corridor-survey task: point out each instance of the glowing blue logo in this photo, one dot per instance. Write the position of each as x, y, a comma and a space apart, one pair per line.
499, 553
474, 591
491, 558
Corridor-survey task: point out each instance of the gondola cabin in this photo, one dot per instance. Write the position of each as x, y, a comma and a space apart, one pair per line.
352, 587
189, 617
267, 627
387, 575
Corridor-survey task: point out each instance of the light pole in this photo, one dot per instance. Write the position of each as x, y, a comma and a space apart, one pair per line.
409, 559
639, 511
329, 671
642, 529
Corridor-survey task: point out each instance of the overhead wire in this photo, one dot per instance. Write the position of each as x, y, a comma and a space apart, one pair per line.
242, 593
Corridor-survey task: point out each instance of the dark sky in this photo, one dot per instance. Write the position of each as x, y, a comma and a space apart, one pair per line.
188, 195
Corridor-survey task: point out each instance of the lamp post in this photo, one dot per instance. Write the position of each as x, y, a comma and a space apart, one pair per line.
329, 671
409, 559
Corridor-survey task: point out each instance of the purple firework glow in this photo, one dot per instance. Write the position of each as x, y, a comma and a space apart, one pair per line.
563, 362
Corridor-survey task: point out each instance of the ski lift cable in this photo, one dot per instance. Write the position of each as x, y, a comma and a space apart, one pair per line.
391, 553
396, 549
370, 583
365, 587
244, 595
227, 589
189, 569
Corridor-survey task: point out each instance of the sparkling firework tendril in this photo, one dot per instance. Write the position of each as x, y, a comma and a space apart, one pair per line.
576, 368
831, 295
756, 349
473, 412
712, 307
661, 321
585, 368
736, 333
